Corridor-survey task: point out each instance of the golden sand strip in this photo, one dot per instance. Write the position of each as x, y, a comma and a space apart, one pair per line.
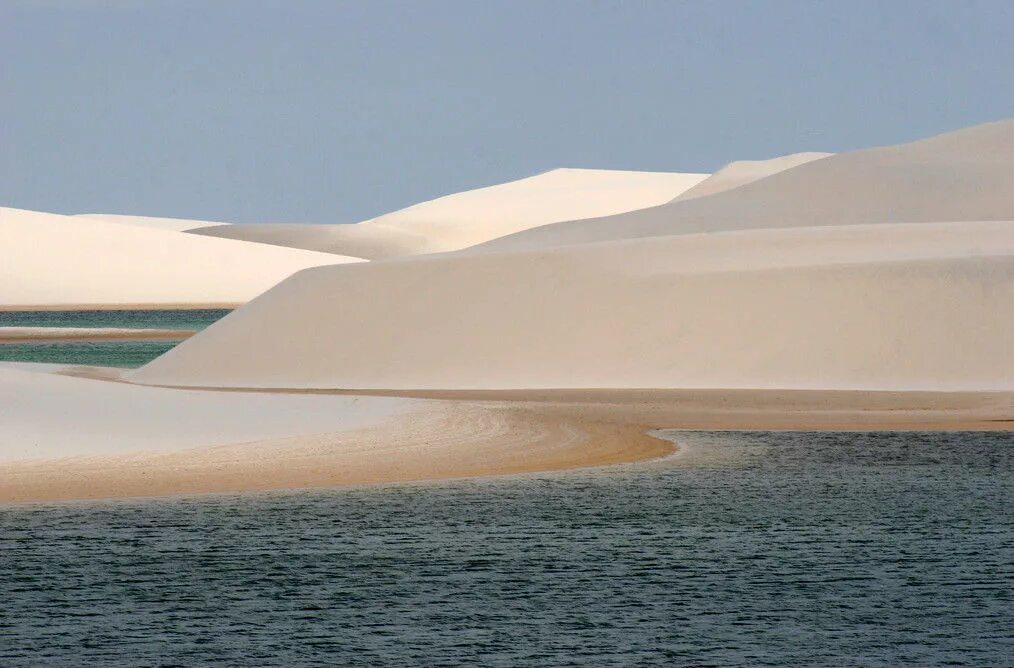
464, 434
64, 334
447, 440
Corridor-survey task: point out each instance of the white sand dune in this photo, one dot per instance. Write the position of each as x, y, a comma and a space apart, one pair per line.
742, 172
173, 224
961, 175
893, 306
467, 218
52, 260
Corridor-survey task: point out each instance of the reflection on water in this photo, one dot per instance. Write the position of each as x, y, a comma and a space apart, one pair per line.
744, 549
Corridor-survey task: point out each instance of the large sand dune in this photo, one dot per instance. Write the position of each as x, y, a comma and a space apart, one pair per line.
962, 175
893, 306
467, 218
173, 224
64, 261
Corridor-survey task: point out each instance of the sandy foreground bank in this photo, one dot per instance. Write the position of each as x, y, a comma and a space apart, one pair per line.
118, 440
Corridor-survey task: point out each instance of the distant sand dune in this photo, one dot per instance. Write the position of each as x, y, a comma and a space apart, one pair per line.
902, 307
962, 175
72, 261
467, 218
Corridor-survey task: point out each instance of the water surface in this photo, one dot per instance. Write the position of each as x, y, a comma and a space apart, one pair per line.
745, 549
130, 354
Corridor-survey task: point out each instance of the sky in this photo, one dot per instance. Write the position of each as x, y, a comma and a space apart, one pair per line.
335, 112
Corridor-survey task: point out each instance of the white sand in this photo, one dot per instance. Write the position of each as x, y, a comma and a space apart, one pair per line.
962, 175
43, 416
154, 222
52, 260
467, 218
742, 172
899, 307
77, 438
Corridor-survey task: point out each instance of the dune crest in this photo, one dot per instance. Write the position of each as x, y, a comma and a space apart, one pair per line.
742, 172
153, 222
464, 219
961, 175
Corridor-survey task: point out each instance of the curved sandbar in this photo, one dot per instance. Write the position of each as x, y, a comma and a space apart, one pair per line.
114, 439
179, 441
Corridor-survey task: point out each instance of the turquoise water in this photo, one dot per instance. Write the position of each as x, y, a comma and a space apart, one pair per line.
753, 549
101, 353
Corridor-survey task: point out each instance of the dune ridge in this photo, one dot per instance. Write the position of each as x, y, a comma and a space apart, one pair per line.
742, 172
960, 175
152, 222
463, 219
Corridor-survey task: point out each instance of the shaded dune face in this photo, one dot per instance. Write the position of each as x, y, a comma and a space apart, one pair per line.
742, 172
917, 306
368, 242
464, 219
961, 175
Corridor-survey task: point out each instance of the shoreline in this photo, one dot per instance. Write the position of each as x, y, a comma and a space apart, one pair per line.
445, 441
11, 335
464, 434
139, 306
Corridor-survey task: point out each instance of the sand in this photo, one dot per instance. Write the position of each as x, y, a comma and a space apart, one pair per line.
42, 334
962, 175
468, 218
72, 262
867, 290
113, 439
116, 440
98, 417
742, 172
171, 224
879, 307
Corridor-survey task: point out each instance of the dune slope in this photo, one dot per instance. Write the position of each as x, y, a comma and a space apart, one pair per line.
917, 306
64, 261
467, 218
742, 172
961, 175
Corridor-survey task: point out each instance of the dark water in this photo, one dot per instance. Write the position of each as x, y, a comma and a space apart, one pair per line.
748, 550
101, 353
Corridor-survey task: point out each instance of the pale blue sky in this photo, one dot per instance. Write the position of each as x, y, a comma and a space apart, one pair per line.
296, 111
